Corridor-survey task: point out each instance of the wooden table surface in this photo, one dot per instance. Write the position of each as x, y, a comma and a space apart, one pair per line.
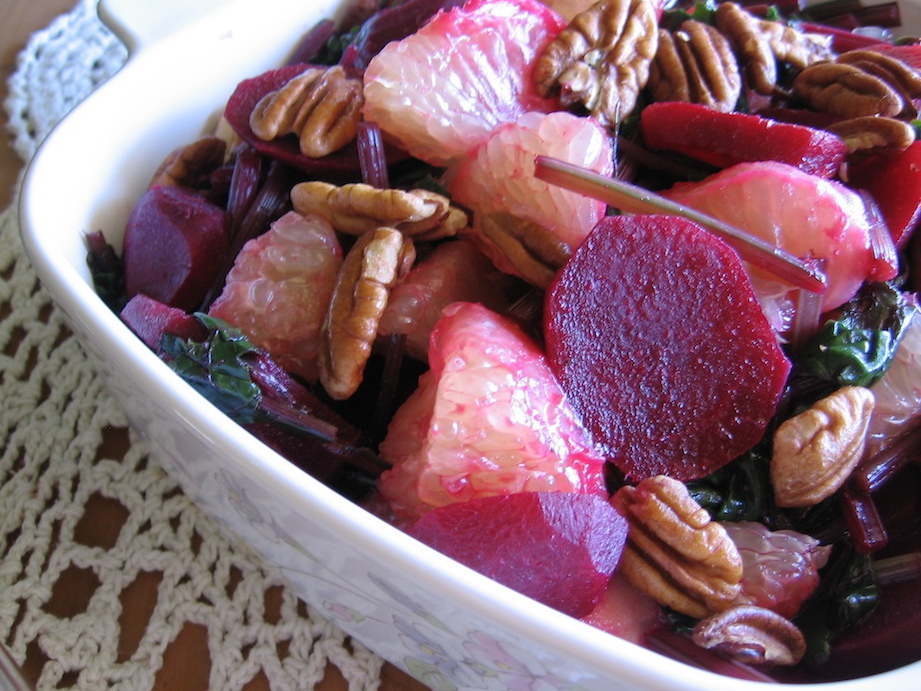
185, 667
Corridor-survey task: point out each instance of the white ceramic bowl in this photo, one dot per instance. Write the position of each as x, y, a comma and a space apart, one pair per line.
430, 616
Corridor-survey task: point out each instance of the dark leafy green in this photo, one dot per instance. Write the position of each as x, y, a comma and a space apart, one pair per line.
848, 592
857, 348
220, 369
217, 368
106, 270
739, 491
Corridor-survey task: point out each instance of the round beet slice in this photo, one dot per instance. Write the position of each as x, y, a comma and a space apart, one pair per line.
658, 339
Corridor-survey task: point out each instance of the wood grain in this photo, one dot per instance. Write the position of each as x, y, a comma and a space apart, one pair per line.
186, 663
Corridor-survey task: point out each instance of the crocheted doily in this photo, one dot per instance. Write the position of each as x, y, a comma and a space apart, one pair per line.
69, 455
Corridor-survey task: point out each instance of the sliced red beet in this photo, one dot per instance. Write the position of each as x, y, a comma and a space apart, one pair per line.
894, 182
150, 319
174, 243
656, 336
724, 139
559, 548
341, 165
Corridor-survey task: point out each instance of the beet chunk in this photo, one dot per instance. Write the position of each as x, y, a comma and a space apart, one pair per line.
559, 548
174, 243
150, 319
657, 337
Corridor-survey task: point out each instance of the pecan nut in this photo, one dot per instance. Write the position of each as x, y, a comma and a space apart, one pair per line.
846, 91
816, 450
872, 134
761, 44
751, 634
674, 551
901, 77
534, 252
322, 106
374, 264
187, 165
357, 208
601, 59
695, 65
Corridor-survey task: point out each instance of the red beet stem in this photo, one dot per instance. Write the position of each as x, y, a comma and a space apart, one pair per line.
847, 22
244, 185
390, 379
900, 569
298, 419
371, 155
874, 472
885, 14
270, 203
834, 8
868, 534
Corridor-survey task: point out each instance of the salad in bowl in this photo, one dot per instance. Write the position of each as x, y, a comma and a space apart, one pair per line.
564, 343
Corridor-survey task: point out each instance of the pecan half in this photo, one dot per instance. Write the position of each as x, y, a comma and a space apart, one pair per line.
674, 552
322, 106
901, 77
846, 91
601, 59
761, 44
357, 208
695, 65
872, 134
816, 450
797, 48
373, 265
751, 634
188, 164
535, 252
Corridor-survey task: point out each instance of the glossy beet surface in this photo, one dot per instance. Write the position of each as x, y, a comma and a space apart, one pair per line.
558, 547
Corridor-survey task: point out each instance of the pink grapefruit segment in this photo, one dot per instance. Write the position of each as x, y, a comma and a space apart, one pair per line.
488, 418
442, 90
806, 215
